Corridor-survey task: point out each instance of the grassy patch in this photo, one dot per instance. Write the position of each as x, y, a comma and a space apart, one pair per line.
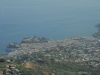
2, 66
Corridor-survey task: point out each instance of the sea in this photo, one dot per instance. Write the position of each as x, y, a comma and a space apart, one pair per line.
52, 19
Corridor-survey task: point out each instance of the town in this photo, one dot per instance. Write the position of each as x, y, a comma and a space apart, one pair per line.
77, 49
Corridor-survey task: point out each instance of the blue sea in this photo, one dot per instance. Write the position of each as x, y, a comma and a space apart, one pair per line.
52, 19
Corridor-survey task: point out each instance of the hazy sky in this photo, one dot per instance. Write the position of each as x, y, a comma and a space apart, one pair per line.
17, 7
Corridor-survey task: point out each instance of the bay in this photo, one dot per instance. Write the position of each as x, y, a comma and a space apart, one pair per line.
52, 19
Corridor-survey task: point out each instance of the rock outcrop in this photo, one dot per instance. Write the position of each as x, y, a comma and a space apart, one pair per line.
34, 39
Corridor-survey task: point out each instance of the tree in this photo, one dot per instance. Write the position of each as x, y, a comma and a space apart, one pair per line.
2, 60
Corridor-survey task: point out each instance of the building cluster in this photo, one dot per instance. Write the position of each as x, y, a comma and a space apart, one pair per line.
10, 68
80, 48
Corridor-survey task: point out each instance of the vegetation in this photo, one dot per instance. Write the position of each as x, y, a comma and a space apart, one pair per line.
2, 60
49, 62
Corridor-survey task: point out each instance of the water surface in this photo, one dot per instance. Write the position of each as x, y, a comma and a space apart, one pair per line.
53, 19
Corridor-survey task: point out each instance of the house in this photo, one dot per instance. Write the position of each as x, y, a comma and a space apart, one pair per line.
8, 61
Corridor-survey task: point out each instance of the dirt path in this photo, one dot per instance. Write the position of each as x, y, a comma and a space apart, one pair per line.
28, 65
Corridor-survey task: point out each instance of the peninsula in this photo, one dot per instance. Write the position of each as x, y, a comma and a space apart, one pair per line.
77, 48
71, 56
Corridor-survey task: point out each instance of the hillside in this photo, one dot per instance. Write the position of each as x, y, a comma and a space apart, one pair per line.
44, 66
